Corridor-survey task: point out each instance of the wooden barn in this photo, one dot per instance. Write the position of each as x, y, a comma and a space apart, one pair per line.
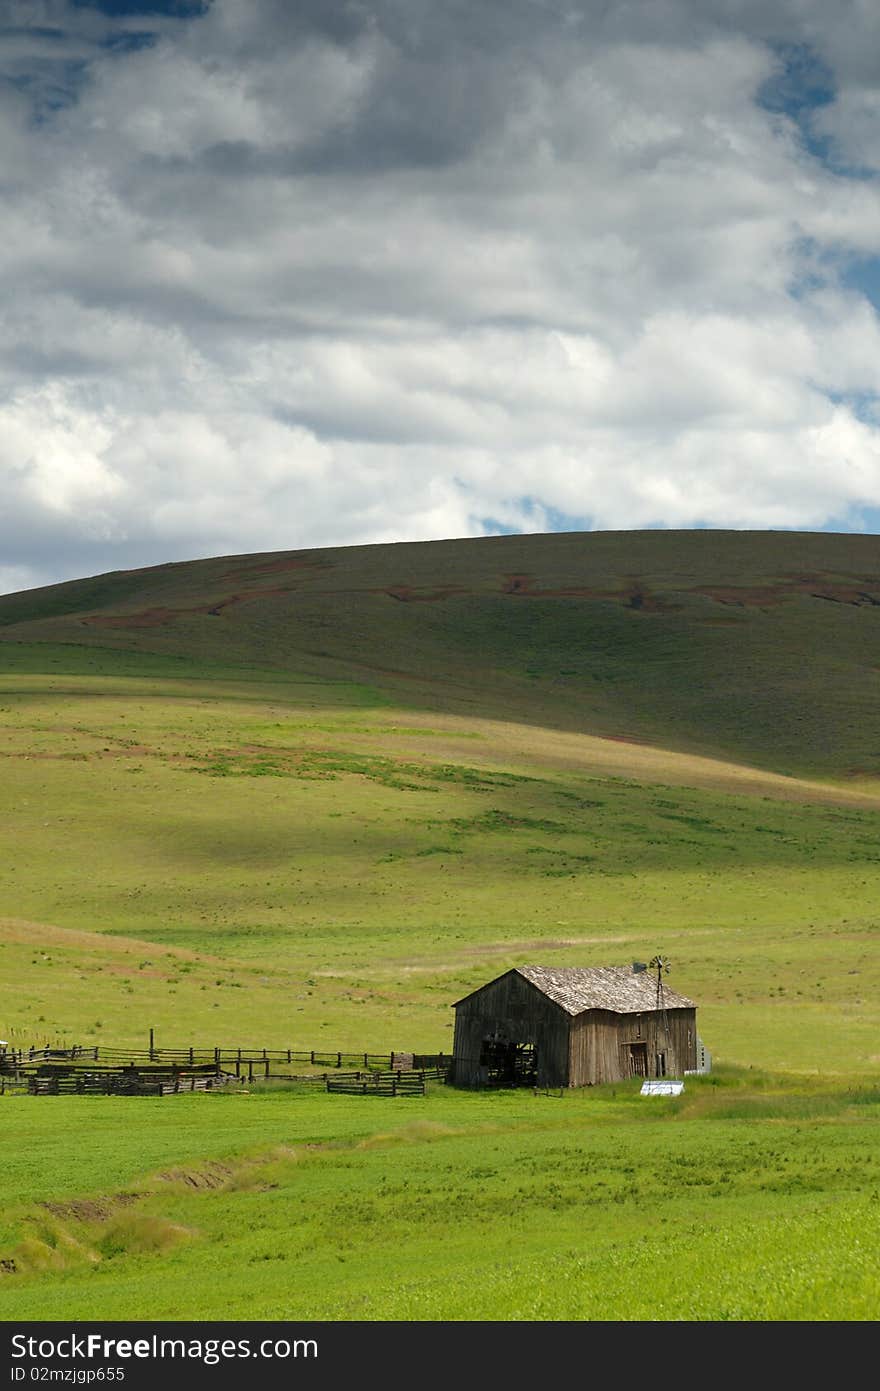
572, 1027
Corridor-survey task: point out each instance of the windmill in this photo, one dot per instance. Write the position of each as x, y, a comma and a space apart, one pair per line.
660, 964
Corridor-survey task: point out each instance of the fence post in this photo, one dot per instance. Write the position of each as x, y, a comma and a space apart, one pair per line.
250, 1069
266, 1064
339, 1060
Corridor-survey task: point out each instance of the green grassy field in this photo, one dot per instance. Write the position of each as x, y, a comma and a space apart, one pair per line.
318, 817
732, 1202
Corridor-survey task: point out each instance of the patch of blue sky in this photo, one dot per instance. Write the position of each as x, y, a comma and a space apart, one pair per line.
864, 405
855, 518
552, 519
129, 40
51, 85
863, 519
819, 267
863, 275
491, 526
125, 9
545, 519
800, 87
801, 82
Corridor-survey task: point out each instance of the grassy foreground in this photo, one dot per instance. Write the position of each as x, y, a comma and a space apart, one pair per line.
746, 1198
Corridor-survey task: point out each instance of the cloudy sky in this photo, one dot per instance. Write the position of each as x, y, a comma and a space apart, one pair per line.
296, 273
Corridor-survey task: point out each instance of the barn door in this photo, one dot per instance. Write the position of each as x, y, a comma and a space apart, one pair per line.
509, 1064
638, 1060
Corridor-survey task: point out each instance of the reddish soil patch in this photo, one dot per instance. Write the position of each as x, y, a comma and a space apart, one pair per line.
405, 594
238, 599
861, 592
634, 596
753, 597
848, 594
525, 585
90, 1209
762, 595
155, 618
857, 591
517, 584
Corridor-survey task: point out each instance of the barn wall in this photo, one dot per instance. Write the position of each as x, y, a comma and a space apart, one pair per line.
599, 1048
511, 1009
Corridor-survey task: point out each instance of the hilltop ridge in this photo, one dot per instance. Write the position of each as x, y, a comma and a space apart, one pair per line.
757, 647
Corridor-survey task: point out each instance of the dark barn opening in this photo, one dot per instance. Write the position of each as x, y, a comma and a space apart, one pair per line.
509, 1064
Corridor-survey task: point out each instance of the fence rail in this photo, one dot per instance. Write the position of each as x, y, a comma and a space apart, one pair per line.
402, 1083
124, 1083
319, 1057
108, 1071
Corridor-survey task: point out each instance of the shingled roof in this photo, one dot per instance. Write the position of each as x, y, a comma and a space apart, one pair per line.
615, 988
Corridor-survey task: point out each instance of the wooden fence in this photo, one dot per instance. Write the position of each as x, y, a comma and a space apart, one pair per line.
238, 1059
404, 1082
125, 1083
107, 1071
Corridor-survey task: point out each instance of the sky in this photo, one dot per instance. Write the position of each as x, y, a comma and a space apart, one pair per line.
283, 274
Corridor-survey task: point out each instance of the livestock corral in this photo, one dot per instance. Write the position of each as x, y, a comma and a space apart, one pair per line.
108, 1071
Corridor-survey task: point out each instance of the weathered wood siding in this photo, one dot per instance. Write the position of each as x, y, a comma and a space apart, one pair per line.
515, 1011
600, 1044
572, 1051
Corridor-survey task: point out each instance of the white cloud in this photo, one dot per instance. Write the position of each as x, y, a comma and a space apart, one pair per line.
312, 275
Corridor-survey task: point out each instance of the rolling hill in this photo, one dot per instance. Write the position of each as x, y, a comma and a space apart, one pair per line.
757, 648
310, 799
339, 788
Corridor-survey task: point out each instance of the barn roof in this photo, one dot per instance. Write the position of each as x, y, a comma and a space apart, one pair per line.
577, 988
616, 988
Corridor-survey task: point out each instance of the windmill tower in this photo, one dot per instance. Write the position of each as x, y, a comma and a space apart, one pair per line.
660, 964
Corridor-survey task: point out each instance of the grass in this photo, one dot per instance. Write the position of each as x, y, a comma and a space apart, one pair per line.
694, 641
458, 1206
213, 860
318, 815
